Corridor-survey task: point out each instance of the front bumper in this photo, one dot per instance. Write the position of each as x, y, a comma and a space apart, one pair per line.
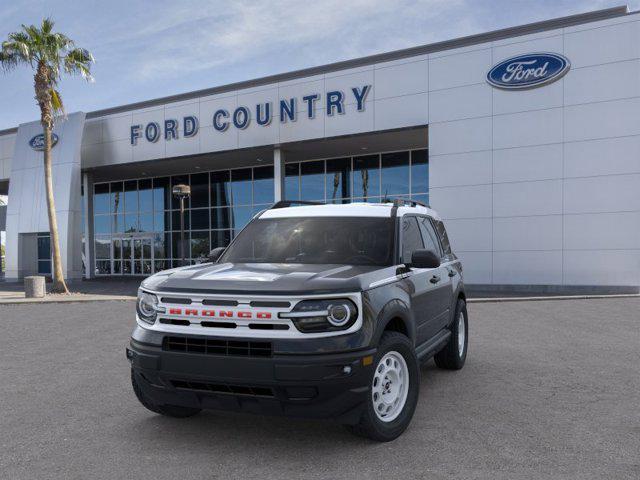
331, 385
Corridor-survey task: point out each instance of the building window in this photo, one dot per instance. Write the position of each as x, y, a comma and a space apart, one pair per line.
44, 253
368, 178
137, 222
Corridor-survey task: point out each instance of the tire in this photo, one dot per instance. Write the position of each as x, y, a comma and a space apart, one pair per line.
454, 354
166, 410
398, 352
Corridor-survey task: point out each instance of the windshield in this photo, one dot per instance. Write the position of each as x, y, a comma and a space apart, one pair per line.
318, 240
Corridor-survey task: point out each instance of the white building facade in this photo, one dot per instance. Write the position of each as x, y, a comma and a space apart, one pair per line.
526, 140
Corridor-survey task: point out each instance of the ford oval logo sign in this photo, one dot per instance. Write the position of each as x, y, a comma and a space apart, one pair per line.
37, 142
528, 71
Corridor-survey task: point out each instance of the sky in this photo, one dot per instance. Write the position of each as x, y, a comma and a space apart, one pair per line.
149, 49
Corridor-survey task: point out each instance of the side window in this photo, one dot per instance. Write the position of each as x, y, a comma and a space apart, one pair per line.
442, 234
411, 239
429, 236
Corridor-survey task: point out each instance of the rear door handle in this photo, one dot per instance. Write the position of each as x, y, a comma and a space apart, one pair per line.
435, 279
452, 273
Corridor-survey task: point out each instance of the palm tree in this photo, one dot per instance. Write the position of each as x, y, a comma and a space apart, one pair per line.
48, 54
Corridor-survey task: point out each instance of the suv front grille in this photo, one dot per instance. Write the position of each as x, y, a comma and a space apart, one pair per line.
208, 346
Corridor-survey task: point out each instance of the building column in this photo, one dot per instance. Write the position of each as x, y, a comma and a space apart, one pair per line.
278, 174
87, 205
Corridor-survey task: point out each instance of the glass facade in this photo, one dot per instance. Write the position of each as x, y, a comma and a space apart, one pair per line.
137, 222
366, 178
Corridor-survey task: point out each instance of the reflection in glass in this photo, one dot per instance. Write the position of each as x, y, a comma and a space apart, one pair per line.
161, 194
312, 180
220, 218
366, 176
146, 222
102, 224
292, 181
103, 267
101, 198
215, 222
130, 196
220, 238
395, 173
116, 197
161, 265
117, 248
131, 222
159, 242
175, 245
419, 171
160, 221
240, 216
338, 179
241, 186
103, 247
200, 219
200, 190
199, 244
263, 185
175, 220
220, 189
145, 195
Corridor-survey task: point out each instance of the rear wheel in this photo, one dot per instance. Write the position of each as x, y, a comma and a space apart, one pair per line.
454, 354
393, 393
167, 410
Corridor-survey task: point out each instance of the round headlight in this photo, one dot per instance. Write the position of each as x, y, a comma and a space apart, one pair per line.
339, 314
147, 307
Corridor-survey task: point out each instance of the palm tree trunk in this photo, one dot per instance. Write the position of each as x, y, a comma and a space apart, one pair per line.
59, 285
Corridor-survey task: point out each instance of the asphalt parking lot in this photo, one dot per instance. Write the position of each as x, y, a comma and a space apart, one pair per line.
551, 390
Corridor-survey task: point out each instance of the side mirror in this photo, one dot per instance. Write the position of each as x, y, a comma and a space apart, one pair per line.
215, 254
425, 259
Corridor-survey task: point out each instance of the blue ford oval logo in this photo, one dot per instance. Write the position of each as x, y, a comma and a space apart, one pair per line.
528, 71
37, 142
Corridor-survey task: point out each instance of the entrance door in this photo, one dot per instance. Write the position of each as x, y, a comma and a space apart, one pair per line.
132, 255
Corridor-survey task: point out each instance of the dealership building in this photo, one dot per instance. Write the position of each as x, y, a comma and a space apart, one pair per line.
526, 140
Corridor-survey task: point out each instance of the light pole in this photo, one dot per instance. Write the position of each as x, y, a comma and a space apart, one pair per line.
181, 192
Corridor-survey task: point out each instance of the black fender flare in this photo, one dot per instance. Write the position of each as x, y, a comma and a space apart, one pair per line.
395, 309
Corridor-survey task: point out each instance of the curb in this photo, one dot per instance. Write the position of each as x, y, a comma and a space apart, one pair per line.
31, 301
550, 298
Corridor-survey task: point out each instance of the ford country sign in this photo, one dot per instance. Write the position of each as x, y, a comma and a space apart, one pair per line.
37, 142
528, 71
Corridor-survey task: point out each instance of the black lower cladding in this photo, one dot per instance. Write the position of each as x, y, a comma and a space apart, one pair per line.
221, 375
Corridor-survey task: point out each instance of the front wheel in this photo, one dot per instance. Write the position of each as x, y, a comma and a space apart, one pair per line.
454, 354
393, 392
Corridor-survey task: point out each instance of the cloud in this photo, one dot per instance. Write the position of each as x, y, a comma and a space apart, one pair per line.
201, 35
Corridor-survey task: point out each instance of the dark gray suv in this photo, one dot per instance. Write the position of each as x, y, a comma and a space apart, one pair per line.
321, 311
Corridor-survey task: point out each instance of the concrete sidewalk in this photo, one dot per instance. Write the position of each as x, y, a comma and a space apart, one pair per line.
102, 289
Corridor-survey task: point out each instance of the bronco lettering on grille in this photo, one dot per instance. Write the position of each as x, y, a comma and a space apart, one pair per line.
192, 312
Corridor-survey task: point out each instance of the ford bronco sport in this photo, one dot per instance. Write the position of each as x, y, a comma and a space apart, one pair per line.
321, 311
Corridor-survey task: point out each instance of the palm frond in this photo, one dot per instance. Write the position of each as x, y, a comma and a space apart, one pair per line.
78, 62
56, 101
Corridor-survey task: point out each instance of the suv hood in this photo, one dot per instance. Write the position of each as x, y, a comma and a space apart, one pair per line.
266, 278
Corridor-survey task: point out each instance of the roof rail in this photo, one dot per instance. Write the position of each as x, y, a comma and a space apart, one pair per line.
290, 203
400, 202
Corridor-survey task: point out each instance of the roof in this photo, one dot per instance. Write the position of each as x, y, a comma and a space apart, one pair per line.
529, 28
356, 209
